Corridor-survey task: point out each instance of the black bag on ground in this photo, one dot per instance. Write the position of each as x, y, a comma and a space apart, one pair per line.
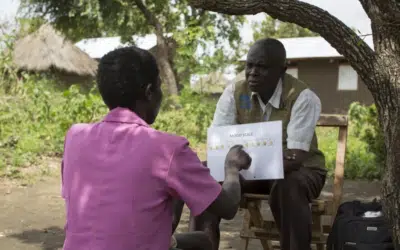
355, 230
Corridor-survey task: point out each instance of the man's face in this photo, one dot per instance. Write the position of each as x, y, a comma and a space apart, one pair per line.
262, 73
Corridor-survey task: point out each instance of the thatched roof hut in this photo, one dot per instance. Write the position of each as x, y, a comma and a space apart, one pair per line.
48, 49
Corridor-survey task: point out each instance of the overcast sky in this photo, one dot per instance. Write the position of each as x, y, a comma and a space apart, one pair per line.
8, 9
349, 11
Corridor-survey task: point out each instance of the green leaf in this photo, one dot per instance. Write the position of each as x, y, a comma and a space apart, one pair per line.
276, 29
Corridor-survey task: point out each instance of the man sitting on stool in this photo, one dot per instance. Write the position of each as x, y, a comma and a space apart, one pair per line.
269, 94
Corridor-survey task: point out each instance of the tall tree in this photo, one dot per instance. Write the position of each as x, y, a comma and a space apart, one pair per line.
171, 21
379, 68
274, 28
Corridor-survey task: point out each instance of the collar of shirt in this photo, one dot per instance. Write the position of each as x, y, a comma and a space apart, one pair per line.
275, 99
124, 115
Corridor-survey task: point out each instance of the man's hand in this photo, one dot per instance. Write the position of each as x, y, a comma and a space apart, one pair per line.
237, 159
293, 159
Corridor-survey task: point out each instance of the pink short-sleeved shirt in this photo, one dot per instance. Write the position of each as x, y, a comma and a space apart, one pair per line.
118, 180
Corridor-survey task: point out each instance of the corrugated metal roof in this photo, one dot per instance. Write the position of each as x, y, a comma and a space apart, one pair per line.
98, 47
310, 47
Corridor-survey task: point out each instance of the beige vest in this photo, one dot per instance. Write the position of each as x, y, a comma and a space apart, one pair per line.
249, 111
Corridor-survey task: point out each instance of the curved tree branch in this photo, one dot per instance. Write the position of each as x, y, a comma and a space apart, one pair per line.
341, 37
151, 19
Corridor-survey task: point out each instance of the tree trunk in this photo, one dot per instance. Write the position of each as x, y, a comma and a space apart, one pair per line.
391, 178
379, 69
166, 69
386, 94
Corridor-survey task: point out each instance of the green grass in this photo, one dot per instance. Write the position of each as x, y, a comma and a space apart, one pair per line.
327, 143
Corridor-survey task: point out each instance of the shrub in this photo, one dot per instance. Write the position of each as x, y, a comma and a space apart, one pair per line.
188, 115
365, 146
34, 123
365, 126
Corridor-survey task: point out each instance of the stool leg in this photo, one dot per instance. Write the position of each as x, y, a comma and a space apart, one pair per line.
244, 244
266, 244
192, 223
257, 220
244, 241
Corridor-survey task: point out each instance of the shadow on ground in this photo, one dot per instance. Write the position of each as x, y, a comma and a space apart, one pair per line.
51, 238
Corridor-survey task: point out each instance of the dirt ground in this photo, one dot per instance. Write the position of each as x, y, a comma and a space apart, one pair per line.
32, 216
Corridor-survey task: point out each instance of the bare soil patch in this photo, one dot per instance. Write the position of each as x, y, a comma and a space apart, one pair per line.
32, 212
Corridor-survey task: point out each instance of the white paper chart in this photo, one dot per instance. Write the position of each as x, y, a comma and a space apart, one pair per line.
262, 141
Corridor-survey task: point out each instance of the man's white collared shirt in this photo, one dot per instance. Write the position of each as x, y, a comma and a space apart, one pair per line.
303, 119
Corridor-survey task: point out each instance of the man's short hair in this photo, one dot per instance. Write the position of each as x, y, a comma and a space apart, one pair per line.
274, 49
123, 75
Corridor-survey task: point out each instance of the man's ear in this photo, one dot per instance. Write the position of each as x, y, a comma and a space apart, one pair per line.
148, 93
284, 69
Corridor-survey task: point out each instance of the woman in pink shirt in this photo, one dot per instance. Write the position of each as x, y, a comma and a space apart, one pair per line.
120, 177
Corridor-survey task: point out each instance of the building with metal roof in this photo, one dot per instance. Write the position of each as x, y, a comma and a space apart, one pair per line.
298, 48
